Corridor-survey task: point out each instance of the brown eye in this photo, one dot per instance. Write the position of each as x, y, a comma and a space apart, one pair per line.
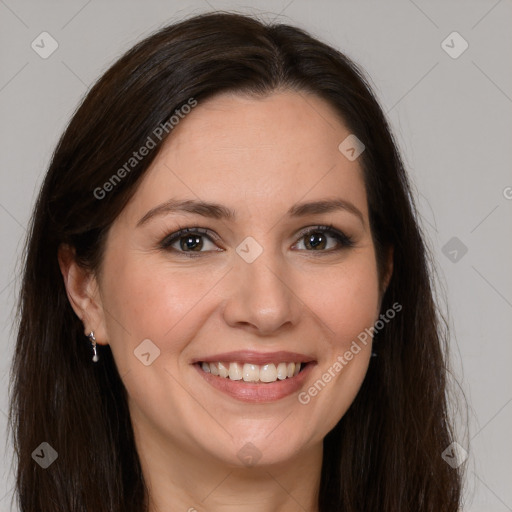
189, 240
325, 239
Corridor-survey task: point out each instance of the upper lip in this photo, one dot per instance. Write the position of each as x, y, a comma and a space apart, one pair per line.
259, 358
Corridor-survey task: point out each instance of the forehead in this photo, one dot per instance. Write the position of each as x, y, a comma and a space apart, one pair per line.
236, 149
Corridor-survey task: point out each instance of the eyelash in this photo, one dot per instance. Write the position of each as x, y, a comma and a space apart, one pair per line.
344, 240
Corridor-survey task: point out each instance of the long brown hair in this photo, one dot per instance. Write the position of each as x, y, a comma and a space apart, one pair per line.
385, 453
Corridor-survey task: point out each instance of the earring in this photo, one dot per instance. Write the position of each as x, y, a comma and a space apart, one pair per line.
93, 341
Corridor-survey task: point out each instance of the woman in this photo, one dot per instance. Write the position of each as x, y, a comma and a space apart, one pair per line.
226, 300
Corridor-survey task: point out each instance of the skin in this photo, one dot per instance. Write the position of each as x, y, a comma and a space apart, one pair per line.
257, 156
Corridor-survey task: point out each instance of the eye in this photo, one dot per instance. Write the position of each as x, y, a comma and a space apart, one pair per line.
195, 240
317, 239
190, 240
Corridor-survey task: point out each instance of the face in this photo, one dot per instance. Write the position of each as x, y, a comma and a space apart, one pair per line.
262, 279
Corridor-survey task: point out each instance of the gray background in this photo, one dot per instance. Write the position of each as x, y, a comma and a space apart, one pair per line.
452, 119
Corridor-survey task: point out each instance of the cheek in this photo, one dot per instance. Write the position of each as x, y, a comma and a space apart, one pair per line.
346, 298
347, 302
148, 300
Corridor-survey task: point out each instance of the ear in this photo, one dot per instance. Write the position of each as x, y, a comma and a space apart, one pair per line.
83, 293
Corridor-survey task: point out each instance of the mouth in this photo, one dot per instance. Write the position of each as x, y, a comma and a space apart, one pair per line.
247, 372
251, 378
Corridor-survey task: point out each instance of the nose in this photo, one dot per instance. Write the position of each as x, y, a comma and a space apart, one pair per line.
261, 297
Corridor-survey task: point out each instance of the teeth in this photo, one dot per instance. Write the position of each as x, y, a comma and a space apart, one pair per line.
268, 373
282, 372
252, 372
235, 371
223, 370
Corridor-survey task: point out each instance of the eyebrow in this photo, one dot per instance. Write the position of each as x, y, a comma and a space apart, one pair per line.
218, 211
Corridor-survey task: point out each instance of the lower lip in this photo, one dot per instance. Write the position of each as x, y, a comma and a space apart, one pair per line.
260, 392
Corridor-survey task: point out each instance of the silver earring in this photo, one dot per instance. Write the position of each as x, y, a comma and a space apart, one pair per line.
93, 341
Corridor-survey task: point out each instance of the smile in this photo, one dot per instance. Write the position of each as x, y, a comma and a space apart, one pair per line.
250, 385
252, 372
